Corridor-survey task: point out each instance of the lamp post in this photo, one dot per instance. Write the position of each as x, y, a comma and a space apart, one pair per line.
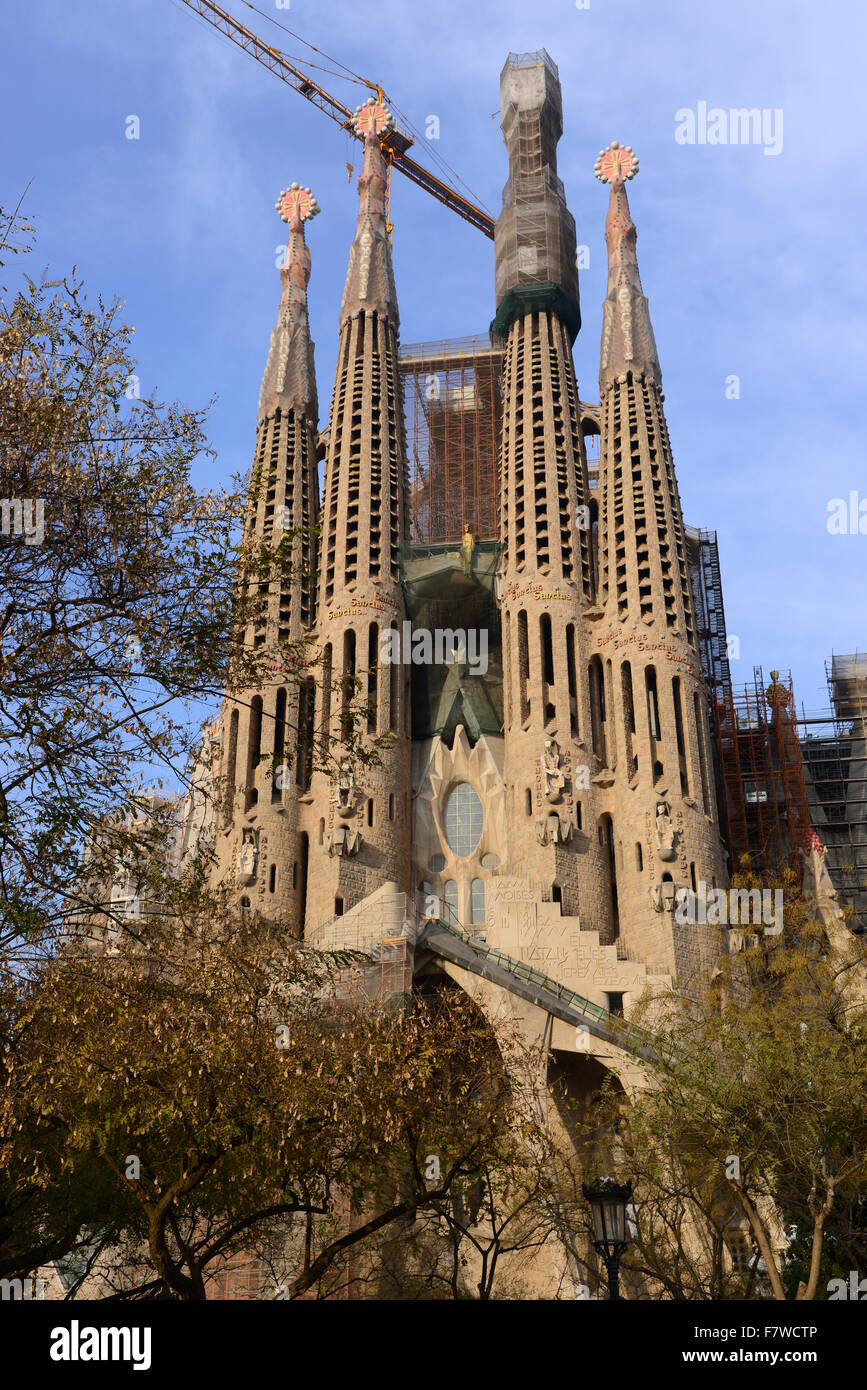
608, 1202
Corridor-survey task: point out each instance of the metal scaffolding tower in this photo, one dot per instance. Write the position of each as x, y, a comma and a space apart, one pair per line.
834, 747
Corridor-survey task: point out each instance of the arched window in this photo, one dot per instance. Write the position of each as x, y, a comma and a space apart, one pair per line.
391, 806
572, 679
628, 718
306, 714
678, 729
477, 902
326, 696
607, 840
279, 742
450, 901
463, 819
528, 802
347, 718
596, 684
254, 750
546, 644
393, 683
231, 761
702, 759
272, 878
372, 676
523, 668
370, 810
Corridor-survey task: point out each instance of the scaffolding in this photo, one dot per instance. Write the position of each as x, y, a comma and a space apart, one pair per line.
762, 774
834, 747
382, 928
535, 243
453, 406
710, 623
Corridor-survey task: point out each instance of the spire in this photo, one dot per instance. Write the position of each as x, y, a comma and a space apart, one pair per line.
627, 333
369, 279
289, 382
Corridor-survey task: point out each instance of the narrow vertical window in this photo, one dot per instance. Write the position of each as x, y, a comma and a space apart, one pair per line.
523, 667
546, 645
450, 901
702, 760
304, 755
628, 718
572, 680
606, 827
652, 702
372, 677
254, 750
678, 729
326, 698
393, 686
304, 840
477, 902
347, 719
610, 733
277, 776
652, 698
231, 765
597, 708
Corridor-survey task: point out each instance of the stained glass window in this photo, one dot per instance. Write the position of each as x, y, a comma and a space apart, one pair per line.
477, 902
463, 819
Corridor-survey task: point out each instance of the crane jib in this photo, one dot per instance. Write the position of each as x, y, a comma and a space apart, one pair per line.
396, 142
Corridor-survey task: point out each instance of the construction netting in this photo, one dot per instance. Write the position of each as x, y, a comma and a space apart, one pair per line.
453, 408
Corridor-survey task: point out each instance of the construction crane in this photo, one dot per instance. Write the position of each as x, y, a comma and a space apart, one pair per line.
395, 143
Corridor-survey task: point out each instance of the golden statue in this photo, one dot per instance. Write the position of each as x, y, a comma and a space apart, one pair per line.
468, 545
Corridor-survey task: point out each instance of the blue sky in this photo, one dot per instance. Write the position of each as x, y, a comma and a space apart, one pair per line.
751, 262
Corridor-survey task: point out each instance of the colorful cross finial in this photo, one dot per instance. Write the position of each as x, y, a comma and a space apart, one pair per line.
296, 201
373, 118
615, 164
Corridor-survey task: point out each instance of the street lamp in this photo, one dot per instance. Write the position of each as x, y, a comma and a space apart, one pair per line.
608, 1202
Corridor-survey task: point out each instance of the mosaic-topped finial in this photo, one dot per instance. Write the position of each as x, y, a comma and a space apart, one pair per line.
296, 202
373, 118
615, 164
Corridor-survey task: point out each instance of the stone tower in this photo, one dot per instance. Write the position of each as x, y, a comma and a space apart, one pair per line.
264, 732
357, 817
546, 570
549, 799
649, 711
